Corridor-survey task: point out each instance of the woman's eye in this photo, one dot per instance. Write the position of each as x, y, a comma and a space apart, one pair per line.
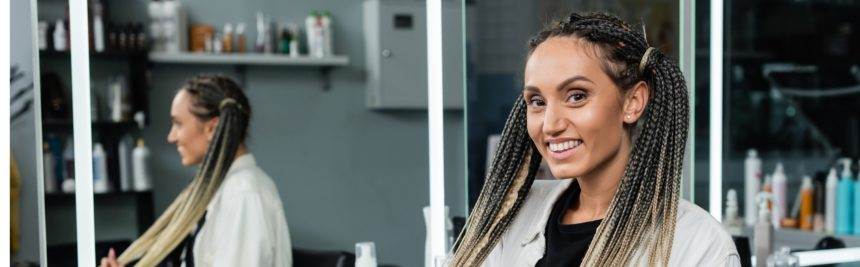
576, 97
536, 101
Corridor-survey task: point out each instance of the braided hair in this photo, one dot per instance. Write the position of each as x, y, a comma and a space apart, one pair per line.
640, 221
212, 96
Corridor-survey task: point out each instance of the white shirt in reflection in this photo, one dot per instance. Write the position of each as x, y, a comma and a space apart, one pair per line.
245, 223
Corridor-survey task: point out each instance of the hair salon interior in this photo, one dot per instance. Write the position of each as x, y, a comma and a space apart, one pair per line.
339, 98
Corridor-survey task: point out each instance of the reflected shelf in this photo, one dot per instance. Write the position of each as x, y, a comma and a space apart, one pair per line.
248, 59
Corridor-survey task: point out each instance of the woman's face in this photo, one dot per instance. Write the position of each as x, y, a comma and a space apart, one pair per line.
576, 113
190, 135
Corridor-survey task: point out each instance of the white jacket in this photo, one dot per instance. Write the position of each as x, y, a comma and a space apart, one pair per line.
245, 223
699, 239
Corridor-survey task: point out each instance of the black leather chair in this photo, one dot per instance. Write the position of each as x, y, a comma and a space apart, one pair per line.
322, 258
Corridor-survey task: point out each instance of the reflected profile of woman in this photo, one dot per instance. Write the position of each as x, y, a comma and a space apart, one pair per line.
609, 115
230, 214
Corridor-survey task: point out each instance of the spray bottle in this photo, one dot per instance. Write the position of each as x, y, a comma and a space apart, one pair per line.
845, 200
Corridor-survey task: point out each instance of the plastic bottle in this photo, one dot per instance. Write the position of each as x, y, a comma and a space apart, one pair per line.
763, 231
60, 41
779, 195
731, 222
783, 258
140, 167
316, 34
752, 182
69, 160
294, 40
830, 199
100, 179
857, 204
806, 192
240, 38
227, 39
98, 27
365, 254
325, 20
818, 206
845, 200
124, 151
49, 167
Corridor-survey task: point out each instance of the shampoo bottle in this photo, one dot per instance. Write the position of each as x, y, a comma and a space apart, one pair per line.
100, 180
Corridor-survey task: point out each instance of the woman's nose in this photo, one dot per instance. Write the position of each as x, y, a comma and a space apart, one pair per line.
554, 121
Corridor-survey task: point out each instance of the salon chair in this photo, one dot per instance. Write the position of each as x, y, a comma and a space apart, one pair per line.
322, 258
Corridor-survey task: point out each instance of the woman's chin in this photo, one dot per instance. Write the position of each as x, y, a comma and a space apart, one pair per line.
565, 172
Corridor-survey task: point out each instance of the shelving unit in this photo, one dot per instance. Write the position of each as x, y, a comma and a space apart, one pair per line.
241, 60
803, 240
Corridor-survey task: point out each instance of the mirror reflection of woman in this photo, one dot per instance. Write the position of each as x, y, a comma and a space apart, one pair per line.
231, 213
609, 114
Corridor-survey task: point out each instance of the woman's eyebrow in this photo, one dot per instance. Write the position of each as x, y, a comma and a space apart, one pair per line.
532, 88
571, 80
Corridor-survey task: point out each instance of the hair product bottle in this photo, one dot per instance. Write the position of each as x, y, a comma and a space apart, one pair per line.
818, 206
752, 182
731, 222
763, 231
806, 201
140, 167
49, 167
779, 195
830, 199
845, 200
100, 179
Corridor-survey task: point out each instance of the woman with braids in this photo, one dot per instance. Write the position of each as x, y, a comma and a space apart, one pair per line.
609, 114
230, 214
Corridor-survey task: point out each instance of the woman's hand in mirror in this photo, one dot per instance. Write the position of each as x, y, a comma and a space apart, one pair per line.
110, 260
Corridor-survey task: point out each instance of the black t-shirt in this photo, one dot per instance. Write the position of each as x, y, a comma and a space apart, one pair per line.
566, 244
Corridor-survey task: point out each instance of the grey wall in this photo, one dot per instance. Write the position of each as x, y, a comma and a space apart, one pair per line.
345, 174
22, 132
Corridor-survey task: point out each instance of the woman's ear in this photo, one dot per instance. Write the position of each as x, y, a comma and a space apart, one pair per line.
209, 128
635, 101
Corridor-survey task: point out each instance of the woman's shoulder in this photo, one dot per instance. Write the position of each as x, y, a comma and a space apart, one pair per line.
700, 239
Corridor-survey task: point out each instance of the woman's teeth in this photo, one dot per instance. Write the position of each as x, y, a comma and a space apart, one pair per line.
558, 147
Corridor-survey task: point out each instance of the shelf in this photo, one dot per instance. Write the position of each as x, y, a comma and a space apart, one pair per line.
247, 59
62, 197
93, 54
101, 126
803, 240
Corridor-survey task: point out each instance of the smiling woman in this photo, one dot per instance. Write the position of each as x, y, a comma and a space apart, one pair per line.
609, 114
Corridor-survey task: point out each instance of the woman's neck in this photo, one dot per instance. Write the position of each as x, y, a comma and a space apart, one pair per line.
242, 150
598, 187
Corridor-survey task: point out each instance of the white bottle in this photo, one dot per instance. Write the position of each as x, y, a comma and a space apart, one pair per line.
731, 222
763, 231
326, 28
779, 195
43, 35
752, 185
60, 42
365, 254
140, 167
100, 179
98, 27
294, 41
316, 34
830, 200
124, 151
49, 170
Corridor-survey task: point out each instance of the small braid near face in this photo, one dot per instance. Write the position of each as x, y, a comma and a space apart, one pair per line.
640, 222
